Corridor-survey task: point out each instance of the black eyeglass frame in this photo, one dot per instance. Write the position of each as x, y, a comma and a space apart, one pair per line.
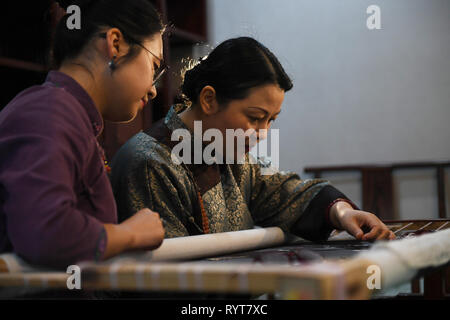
163, 67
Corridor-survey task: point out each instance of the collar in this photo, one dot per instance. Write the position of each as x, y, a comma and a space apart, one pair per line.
173, 121
205, 176
62, 80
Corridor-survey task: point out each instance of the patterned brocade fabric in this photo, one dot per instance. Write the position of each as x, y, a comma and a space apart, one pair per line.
235, 197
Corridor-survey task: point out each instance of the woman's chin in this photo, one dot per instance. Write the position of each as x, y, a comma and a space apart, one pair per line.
121, 118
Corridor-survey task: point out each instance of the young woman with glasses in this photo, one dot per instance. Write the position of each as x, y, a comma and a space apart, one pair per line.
56, 202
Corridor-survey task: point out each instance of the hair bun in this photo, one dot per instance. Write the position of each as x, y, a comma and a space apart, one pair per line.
191, 81
233, 68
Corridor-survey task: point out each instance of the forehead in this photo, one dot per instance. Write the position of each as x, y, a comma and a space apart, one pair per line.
270, 97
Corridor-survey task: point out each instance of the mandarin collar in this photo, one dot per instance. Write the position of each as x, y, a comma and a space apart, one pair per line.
62, 80
173, 120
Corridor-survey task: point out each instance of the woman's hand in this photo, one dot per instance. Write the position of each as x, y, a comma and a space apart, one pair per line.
356, 222
142, 231
146, 229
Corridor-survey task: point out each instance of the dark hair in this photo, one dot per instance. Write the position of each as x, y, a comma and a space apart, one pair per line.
136, 19
233, 68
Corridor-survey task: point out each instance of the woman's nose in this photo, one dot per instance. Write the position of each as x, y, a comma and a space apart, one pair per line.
262, 134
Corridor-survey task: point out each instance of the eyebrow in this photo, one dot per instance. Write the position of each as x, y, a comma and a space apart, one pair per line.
265, 111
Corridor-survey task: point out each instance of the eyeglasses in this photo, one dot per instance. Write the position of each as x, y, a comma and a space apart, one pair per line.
158, 72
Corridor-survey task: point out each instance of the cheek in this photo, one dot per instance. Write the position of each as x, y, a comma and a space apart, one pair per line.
238, 122
135, 82
136, 78
122, 100
122, 96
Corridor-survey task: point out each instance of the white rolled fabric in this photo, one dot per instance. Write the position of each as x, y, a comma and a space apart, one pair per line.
400, 260
215, 244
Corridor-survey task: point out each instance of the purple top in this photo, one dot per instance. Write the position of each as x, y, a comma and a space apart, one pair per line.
55, 194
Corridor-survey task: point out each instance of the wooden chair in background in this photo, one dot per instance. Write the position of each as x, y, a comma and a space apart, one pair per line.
377, 184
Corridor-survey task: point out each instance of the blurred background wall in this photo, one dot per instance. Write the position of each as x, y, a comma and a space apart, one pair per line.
360, 96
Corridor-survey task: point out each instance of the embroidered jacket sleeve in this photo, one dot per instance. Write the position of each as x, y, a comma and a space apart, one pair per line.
295, 205
143, 177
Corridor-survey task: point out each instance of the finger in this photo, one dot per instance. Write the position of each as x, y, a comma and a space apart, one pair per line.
374, 232
154, 216
384, 235
154, 246
355, 231
392, 236
145, 211
155, 213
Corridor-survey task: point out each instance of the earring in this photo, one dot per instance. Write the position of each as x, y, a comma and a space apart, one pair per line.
111, 64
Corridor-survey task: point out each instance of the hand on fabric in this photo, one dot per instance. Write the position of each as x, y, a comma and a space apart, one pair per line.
142, 231
147, 229
361, 224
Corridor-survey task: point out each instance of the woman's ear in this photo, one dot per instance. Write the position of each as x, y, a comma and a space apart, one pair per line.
208, 101
115, 43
